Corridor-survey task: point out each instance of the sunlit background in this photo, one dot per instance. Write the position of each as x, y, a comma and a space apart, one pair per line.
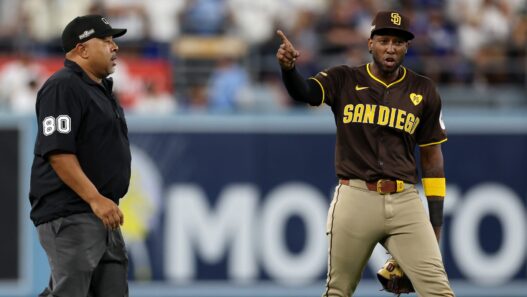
231, 179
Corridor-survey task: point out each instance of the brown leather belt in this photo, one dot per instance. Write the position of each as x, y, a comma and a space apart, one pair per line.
381, 186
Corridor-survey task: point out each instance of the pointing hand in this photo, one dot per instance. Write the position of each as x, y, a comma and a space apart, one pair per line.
286, 54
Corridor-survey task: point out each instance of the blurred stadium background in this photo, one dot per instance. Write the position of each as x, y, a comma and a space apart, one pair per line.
231, 179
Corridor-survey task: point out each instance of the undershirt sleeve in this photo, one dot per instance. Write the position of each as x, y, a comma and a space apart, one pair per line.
300, 89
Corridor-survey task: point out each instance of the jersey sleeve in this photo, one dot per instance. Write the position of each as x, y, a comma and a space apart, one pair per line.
59, 114
432, 129
329, 80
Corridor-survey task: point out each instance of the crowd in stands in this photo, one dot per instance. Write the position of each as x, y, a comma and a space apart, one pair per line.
221, 53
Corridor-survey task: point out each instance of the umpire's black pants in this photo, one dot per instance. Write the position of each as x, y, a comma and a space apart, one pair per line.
85, 258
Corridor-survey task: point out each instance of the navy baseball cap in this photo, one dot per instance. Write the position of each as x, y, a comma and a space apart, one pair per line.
391, 22
84, 28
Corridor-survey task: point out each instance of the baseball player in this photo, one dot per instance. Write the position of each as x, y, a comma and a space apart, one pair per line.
81, 167
382, 110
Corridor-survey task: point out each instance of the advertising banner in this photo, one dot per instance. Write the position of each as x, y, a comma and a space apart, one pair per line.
9, 212
237, 207
248, 209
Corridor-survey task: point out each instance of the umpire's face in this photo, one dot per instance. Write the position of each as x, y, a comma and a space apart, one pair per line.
102, 53
388, 51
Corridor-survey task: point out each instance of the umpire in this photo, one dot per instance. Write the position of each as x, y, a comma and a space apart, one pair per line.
81, 166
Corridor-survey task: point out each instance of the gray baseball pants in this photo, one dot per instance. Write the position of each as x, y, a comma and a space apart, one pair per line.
85, 258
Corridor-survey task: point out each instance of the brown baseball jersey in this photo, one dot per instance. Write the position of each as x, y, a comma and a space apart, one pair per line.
379, 124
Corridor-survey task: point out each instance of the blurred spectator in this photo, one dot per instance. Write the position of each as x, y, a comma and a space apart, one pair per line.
196, 98
518, 47
225, 84
439, 39
268, 95
154, 101
10, 16
459, 42
303, 35
205, 17
163, 25
127, 87
356, 55
23, 98
255, 20
46, 19
440, 32
480, 24
130, 14
341, 26
20, 80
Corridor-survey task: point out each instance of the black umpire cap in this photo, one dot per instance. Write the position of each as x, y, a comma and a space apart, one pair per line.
84, 28
386, 22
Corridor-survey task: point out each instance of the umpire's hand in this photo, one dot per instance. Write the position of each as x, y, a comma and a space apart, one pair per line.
106, 210
286, 53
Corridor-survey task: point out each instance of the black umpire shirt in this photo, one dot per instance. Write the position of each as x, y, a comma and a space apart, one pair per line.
79, 116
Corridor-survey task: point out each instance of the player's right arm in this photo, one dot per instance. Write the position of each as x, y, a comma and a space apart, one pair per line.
298, 88
70, 172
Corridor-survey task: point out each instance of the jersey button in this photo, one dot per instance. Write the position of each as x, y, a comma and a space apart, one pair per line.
381, 163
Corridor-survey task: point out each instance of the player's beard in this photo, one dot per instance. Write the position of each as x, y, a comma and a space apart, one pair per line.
386, 69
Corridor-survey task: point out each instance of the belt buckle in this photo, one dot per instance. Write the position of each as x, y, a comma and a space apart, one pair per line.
379, 186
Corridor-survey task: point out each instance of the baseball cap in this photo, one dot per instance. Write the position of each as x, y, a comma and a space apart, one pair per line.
391, 21
83, 28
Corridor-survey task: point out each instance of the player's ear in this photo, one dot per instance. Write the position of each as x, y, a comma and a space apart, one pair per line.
370, 45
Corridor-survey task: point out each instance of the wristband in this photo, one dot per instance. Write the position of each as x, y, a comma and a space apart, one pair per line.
434, 186
435, 209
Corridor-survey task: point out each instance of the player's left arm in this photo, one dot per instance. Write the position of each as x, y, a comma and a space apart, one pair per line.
434, 184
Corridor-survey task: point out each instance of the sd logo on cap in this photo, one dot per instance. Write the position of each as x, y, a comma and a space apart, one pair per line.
391, 22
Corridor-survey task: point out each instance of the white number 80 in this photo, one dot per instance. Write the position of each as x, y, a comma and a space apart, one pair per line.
62, 124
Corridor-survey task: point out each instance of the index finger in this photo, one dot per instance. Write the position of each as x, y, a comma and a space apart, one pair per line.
282, 36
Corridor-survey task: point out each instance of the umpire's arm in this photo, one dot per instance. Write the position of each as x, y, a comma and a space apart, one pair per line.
70, 172
434, 184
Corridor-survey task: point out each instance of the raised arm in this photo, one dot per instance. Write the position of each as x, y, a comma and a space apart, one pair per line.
298, 87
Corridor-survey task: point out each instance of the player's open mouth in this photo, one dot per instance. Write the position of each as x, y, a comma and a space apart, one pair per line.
113, 60
389, 61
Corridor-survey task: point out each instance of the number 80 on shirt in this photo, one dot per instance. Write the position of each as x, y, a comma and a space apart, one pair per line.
61, 124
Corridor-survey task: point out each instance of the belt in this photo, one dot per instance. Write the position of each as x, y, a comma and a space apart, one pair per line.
381, 186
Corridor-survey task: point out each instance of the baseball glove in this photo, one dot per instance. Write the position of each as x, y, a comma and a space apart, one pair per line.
393, 279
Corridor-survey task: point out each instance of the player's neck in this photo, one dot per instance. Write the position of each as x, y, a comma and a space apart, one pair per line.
385, 76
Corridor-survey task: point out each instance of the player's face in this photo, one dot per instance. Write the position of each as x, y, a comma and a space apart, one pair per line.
388, 51
102, 55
